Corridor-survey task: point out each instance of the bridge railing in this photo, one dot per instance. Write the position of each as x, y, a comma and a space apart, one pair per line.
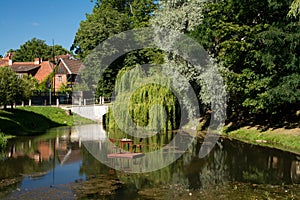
91, 101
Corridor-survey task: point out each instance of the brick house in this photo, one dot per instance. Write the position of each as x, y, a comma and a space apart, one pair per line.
38, 69
46, 68
67, 70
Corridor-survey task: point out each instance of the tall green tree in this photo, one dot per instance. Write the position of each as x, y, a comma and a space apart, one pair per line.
259, 47
108, 18
57, 50
36, 48
111, 17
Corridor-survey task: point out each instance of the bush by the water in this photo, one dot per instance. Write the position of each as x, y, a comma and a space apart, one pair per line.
3, 140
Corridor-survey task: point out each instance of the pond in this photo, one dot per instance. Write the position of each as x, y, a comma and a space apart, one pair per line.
73, 163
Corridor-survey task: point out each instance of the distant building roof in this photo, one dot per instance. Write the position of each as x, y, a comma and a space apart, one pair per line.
3, 62
72, 65
23, 63
6, 61
24, 68
40, 70
69, 156
62, 56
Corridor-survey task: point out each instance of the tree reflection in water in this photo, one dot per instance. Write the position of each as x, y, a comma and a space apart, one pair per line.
230, 162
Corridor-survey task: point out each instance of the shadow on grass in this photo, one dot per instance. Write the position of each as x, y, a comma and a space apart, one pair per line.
264, 122
21, 122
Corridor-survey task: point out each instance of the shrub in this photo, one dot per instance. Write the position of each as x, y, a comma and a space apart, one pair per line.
3, 140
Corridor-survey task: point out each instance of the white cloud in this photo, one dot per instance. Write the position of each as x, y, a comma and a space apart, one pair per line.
35, 24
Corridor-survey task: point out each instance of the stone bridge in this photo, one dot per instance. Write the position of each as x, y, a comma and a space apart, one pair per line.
93, 112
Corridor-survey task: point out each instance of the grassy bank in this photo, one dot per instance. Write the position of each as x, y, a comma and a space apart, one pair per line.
285, 139
35, 120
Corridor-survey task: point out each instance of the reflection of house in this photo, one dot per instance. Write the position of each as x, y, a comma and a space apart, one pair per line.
67, 152
295, 171
45, 151
42, 153
67, 71
69, 156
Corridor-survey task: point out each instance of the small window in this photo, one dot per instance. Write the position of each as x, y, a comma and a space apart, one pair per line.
20, 75
59, 79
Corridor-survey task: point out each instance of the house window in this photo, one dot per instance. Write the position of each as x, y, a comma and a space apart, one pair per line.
20, 75
59, 79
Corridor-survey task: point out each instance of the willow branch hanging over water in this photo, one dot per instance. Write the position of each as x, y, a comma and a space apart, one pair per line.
143, 102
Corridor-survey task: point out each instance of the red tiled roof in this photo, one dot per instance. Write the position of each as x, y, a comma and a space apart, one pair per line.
73, 66
3, 62
44, 71
24, 68
74, 155
62, 56
23, 64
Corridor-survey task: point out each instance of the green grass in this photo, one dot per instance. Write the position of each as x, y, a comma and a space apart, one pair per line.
35, 120
281, 139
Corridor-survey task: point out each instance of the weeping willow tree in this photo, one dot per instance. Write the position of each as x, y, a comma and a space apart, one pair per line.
294, 9
144, 102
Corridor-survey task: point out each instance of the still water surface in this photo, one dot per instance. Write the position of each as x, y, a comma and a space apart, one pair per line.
60, 160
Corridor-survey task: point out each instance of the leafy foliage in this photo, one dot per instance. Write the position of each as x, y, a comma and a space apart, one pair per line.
255, 44
36, 48
14, 89
180, 15
148, 100
184, 16
259, 46
110, 17
295, 9
3, 141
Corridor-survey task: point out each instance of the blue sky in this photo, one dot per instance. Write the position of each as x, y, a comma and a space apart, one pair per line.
58, 20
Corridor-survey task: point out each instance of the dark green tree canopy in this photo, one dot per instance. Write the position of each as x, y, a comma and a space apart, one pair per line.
259, 46
110, 17
36, 48
255, 42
